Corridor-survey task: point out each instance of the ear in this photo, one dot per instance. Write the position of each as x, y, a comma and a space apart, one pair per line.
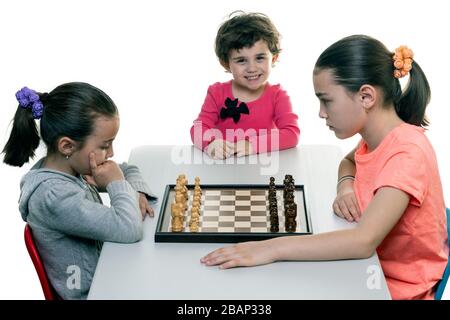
367, 96
274, 59
67, 146
226, 65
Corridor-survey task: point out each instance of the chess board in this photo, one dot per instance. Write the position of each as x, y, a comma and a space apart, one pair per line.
231, 213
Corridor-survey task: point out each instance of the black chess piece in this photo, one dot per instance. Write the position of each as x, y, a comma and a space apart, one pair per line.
274, 223
272, 194
291, 224
290, 214
289, 188
287, 178
274, 228
289, 197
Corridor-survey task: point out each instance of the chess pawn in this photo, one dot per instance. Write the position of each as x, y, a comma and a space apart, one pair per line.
193, 227
197, 192
196, 198
273, 205
272, 181
274, 212
195, 215
274, 227
195, 212
198, 189
195, 203
272, 194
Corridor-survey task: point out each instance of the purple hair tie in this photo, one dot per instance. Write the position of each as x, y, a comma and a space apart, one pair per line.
29, 99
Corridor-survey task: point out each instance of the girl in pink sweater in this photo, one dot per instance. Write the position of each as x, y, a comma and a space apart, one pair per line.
246, 115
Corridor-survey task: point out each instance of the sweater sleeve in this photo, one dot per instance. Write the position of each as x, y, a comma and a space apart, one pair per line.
287, 133
206, 121
134, 178
70, 212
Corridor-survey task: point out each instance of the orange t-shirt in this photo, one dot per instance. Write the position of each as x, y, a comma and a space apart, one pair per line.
415, 253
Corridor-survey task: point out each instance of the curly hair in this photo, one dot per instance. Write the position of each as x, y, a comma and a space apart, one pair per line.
243, 30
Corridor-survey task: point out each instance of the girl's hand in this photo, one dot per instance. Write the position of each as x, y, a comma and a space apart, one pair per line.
104, 173
220, 149
242, 254
242, 148
144, 206
90, 180
345, 205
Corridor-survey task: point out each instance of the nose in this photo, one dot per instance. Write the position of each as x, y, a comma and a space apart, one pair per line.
110, 152
251, 66
322, 113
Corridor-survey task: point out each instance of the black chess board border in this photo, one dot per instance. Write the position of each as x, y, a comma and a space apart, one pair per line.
224, 237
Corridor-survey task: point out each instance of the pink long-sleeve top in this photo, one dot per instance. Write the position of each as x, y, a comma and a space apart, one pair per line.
270, 124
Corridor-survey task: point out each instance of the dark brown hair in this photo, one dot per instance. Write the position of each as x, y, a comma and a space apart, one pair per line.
242, 30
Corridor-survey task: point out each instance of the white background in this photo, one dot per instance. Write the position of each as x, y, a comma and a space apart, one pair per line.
156, 59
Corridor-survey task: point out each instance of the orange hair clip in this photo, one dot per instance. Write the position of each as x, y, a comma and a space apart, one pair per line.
403, 59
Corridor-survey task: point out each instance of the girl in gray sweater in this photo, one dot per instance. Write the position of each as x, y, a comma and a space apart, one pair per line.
59, 196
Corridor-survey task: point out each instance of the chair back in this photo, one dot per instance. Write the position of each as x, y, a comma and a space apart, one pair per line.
49, 291
441, 286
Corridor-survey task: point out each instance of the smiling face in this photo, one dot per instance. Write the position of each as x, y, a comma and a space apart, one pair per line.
99, 142
251, 67
342, 110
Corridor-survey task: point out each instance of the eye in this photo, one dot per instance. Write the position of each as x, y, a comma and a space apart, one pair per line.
240, 61
105, 147
260, 58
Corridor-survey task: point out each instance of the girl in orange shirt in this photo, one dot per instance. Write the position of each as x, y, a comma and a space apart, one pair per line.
389, 184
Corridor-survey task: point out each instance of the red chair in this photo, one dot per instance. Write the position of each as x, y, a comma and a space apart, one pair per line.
49, 291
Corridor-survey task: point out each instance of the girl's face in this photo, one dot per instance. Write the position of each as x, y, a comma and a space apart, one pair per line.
100, 142
251, 67
343, 111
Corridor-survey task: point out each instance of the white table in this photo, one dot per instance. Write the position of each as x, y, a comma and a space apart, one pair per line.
149, 270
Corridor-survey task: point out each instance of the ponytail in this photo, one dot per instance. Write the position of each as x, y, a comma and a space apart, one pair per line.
24, 139
414, 100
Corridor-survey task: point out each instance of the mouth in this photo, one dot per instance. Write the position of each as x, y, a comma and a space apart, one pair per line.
253, 78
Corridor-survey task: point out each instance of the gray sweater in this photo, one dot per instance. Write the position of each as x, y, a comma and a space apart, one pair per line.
70, 223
